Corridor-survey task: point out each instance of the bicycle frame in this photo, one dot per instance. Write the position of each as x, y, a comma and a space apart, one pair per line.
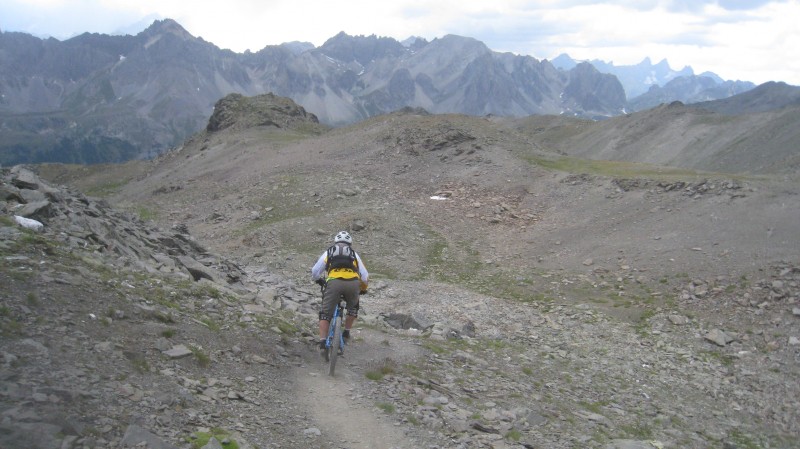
335, 342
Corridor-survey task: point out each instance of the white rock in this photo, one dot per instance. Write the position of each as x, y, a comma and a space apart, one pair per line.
29, 223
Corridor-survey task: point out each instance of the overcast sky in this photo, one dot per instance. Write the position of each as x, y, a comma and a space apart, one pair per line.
754, 40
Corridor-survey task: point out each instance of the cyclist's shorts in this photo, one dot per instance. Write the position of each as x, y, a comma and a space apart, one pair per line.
333, 290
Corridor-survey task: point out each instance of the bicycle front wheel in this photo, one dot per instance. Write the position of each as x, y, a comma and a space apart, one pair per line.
335, 342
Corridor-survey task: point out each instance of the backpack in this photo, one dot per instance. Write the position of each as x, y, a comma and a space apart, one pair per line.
341, 255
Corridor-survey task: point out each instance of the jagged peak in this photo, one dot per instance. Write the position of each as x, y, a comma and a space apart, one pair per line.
167, 26
455, 42
413, 41
360, 48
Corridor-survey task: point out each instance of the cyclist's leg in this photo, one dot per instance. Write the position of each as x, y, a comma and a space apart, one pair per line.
351, 296
329, 300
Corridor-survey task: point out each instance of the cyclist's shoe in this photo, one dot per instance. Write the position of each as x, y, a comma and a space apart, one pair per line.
346, 334
322, 349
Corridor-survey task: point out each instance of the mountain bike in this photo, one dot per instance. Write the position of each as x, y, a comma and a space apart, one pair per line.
335, 342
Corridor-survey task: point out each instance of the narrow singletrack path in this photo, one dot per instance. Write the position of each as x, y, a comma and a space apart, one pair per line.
344, 418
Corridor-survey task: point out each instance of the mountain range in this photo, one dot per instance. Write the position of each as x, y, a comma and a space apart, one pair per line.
99, 98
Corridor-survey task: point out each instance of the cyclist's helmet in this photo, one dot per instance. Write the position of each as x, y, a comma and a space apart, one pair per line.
343, 237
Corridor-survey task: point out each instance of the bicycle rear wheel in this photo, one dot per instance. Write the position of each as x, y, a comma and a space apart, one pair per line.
333, 353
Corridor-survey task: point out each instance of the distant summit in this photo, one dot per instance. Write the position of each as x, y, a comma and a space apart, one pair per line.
636, 79
689, 89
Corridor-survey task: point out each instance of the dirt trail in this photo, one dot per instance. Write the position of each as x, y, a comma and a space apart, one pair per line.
344, 416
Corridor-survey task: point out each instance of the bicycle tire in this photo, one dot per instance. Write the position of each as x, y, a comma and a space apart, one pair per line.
334, 348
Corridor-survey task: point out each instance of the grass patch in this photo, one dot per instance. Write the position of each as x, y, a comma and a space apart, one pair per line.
206, 290
513, 435
140, 365
168, 333
200, 439
616, 169
433, 347
287, 328
105, 189
165, 318
203, 359
721, 358
211, 324
494, 280
374, 375
594, 407
638, 431
146, 214
32, 299
387, 366
642, 325
386, 407
10, 327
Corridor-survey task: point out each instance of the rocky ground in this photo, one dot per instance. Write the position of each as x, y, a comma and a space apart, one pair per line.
531, 309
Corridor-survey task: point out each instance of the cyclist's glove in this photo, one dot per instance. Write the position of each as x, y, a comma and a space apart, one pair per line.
321, 282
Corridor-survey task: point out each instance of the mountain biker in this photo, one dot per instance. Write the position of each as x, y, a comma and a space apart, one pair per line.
346, 276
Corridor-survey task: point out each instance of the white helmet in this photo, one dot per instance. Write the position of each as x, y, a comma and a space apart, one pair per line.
343, 236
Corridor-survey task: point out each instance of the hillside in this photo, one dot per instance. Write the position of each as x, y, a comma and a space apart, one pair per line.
557, 302
680, 136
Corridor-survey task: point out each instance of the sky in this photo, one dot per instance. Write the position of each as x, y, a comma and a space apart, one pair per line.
755, 41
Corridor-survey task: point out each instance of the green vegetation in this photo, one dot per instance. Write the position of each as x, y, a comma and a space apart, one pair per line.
616, 169
721, 358
594, 407
494, 281
513, 435
744, 441
386, 407
638, 430
140, 365
203, 359
211, 324
146, 214
10, 327
387, 366
287, 328
107, 189
200, 439
643, 323
165, 318
433, 347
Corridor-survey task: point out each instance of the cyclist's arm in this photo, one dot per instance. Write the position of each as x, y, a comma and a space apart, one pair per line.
363, 274
318, 270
